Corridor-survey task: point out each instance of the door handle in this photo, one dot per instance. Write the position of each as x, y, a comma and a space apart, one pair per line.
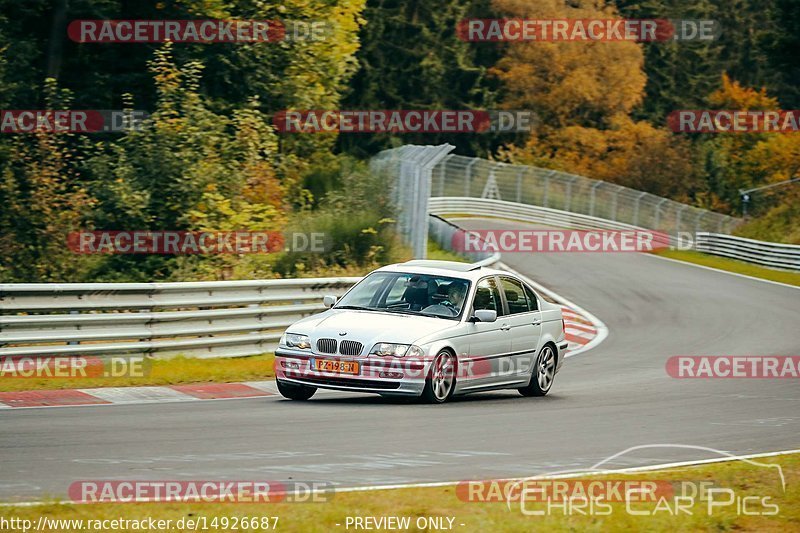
505, 327
537, 322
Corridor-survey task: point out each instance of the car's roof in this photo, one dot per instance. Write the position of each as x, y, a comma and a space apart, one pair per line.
443, 268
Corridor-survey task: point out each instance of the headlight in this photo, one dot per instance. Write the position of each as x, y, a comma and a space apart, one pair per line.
293, 340
396, 350
415, 351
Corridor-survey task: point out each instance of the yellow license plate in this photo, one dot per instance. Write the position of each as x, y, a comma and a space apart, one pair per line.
341, 367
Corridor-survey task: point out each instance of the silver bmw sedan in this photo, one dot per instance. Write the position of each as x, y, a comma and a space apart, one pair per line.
430, 329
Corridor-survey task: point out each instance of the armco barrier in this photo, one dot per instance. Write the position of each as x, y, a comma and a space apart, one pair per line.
441, 232
199, 319
770, 254
446, 205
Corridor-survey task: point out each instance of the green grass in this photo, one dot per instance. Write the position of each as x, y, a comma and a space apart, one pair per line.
435, 252
745, 479
732, 265
175, 371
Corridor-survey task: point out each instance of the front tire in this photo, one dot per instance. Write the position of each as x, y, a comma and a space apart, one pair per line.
542, 374
441, 380
295, 392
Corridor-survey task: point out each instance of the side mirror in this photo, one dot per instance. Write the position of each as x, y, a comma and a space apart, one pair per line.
485, 315
329, 300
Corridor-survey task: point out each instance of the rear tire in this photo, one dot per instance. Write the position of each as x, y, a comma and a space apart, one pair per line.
295, 392
542, 374
441, 380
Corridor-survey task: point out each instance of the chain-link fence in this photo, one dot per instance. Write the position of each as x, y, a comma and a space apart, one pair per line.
409, 169
472, 177
420, 172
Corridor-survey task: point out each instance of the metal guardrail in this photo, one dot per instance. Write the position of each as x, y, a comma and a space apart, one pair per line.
770, 254
200, 319
528, 213
442, 232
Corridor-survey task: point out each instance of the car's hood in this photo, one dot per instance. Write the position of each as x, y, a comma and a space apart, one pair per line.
369, 327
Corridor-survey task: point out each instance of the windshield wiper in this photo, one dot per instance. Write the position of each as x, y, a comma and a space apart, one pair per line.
437, 316
404, 311
356, 307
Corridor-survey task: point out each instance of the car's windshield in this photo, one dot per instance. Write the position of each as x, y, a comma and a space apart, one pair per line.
402, 292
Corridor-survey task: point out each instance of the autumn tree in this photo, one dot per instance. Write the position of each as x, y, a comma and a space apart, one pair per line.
584, 94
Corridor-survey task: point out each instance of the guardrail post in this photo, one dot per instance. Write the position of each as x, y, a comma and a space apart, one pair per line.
442, 174
658, 213
568, 199
468, 177
547, 187
614, 202
678, 218
700, 215
636, 208
519, 183
73, 343
592, 197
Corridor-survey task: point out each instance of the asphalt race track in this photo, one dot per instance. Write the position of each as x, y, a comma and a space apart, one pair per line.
608, 399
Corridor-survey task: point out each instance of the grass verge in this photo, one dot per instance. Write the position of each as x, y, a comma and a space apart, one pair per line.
746, 480
175, 371
732, 265
436, 253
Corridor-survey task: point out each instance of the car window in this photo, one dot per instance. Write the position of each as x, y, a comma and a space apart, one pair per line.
487, 296
533, 303
409, 293
398, 287
366, 291
515, 296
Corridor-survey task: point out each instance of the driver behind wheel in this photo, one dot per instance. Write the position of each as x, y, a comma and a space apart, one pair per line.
455, 295
451, 305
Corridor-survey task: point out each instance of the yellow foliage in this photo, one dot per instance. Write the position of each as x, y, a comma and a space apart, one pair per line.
634, 154
733, 96
569, 82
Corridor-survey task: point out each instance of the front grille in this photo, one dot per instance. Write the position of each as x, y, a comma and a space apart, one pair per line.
350, 348
326, 345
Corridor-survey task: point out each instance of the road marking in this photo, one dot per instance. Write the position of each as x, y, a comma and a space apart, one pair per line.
48, 398
127, 395
368, 488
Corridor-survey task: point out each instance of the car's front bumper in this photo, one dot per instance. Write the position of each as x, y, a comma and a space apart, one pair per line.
381, 375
